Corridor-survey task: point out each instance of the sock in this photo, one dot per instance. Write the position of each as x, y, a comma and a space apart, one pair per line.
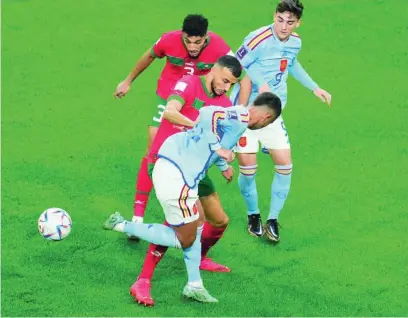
192, 258
210, 237
154, 233
247, 185
153, 257
144, 186
280, 189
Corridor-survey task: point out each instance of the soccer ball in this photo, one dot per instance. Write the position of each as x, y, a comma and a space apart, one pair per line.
54, 224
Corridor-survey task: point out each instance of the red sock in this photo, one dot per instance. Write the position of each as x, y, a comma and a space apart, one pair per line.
144, 186
210, 237
153, 257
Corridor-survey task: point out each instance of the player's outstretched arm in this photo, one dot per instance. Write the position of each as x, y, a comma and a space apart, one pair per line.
299, 73
173, 115
143, 63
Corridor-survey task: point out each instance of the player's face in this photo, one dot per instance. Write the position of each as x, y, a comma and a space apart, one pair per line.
194, 44
260, 117
285, 24
222, 80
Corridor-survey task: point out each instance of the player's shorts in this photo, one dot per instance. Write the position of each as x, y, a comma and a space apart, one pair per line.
205, 186
273, 136
176, 198
159, 105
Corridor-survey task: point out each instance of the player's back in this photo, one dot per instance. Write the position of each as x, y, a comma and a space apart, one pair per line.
194, 93
180, 63
191, 151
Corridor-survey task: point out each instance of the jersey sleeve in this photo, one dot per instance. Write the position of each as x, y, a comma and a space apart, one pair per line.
159, 48
299, 73
183, 91
248, 54
213, 116
209, 119
222, 164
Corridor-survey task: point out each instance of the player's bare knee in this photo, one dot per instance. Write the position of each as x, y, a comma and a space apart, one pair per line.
220, 221
223, 222
281, 157
247, 159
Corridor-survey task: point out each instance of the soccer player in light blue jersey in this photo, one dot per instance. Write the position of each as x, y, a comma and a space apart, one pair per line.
182, 162
269, 55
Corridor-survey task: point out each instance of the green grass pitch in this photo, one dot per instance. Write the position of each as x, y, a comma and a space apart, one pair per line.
67, 142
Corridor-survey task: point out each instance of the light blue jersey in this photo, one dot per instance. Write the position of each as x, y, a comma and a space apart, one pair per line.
193, 152
266, 59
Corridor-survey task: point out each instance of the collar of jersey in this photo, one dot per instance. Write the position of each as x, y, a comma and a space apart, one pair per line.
202, 78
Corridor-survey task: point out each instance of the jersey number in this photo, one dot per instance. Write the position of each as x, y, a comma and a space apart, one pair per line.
189, 70
160, 113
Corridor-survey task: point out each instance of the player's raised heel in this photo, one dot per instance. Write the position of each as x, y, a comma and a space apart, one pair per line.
140, 290
113, 220
198, 293
272, 230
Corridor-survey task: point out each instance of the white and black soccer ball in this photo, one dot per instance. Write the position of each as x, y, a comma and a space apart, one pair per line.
54, 224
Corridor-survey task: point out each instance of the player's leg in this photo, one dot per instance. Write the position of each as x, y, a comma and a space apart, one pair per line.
141, 288
214, 227
144, 183
183, 214
275, 138
247, 149
179, 205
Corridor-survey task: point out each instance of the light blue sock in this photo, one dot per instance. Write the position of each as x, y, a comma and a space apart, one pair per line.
280, 190
158, 234
192, 258
247, 185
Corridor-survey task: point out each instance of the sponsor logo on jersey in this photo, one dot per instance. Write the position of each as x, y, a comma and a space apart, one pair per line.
180, 86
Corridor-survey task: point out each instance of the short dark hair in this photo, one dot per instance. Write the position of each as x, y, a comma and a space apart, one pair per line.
195, 25
293, 6
231, 63
269, 100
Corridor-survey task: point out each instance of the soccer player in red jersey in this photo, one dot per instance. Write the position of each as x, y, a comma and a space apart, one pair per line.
190, 51
189, 95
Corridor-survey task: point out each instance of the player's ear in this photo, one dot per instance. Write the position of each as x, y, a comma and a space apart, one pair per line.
298, 23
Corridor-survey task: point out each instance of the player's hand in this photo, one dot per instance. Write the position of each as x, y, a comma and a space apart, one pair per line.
228, 174
122, 89
324, 96
264, 88
228, 155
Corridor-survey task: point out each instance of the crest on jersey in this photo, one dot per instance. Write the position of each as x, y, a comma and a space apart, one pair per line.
242, 141
283, 65
242, 52
232, 114
180, 86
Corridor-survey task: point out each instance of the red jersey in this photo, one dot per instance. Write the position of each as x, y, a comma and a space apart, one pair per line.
193, 94
179, 62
